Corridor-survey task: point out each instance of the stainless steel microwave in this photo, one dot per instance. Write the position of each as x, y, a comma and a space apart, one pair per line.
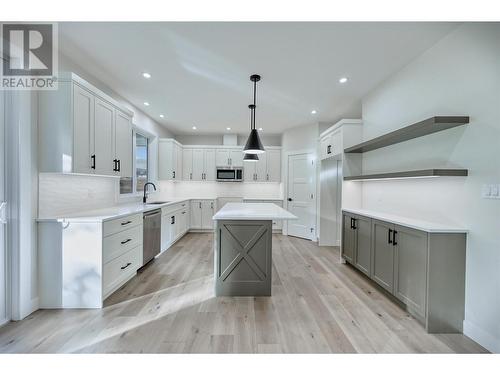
230, 174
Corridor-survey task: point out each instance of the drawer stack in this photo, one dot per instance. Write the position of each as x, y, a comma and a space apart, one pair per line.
121, 251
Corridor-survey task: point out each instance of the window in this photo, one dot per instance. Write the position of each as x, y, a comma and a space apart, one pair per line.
141, 161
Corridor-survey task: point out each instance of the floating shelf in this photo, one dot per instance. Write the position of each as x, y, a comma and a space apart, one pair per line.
410, 174
419, 129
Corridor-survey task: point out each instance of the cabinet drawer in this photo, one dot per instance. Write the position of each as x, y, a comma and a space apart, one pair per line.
121, 224
174, 207
121, 242
116, 272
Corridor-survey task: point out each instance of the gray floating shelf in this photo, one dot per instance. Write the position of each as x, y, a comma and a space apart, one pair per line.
419, 129
409, 174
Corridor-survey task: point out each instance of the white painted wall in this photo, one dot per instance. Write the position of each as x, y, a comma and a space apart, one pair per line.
460, 75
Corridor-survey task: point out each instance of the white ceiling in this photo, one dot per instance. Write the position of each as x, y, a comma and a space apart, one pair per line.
200, 71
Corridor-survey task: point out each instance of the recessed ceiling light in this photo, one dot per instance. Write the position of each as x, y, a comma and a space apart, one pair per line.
313, 112
146, 104
162, 116
260, 129
228, 128
146, 75
194, 127
343, 80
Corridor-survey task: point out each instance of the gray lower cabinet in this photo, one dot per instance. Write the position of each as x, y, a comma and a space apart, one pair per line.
383, 254
356, 242
410, 268
424, 270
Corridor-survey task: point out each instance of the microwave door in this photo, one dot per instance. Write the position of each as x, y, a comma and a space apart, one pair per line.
225, 175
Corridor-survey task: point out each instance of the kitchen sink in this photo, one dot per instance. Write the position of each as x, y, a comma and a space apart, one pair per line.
158, 202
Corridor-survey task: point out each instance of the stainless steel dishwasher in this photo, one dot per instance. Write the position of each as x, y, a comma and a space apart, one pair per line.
151, 242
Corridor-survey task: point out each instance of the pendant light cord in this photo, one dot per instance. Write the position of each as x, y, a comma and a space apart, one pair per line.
254, 101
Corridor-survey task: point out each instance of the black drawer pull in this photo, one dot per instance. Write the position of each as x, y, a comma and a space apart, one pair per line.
128, 264
394, 237
92, 160
127, 240
354, 224
389, 238
126, 222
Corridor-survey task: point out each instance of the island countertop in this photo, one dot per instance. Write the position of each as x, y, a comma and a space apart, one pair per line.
253, 211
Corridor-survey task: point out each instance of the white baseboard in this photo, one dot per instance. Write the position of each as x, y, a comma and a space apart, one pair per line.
482, 337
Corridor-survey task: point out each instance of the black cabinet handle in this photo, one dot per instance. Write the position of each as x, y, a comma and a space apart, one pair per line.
354, 224
329, 149
128, 264
126, 222
127, 240
114, 165
389, 237
394, 237
172, 220
290, 199
173, 174
92, 159
119, 165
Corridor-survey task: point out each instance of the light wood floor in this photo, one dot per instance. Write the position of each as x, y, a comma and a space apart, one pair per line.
318, 306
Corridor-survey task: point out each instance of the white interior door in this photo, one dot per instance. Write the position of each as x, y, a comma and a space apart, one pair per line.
4, 316
301, 195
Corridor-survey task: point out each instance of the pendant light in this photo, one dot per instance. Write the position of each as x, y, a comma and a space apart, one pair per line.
254, 145
251, 157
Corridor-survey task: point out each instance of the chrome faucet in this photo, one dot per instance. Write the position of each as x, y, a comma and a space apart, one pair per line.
146, 190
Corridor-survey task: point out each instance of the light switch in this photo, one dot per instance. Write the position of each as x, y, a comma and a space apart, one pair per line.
494, 191
486, 191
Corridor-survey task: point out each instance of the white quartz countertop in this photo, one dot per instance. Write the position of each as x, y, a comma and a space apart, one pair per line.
423, 225
253, 211
110, 213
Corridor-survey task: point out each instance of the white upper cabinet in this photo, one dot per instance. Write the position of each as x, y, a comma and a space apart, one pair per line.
83, 130
267, 169
273, 165
226, 157
198, 164
170, 160
209, 164
187, 164
123, 144
103, 138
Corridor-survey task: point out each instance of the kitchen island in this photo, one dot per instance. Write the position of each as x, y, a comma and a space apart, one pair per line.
243, 248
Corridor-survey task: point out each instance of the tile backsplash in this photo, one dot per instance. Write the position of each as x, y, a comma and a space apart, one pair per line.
68, 193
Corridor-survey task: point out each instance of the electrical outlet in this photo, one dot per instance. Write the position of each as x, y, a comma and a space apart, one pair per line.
490, 191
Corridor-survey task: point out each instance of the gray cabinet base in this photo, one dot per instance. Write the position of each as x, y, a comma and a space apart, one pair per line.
243, 257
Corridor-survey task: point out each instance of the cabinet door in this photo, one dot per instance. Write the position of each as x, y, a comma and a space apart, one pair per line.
325, 147
363, 231
222, 158
236, 157
348, 239
165, 232
383, 254
178, 162
172, 221
196, 215
198, 165
166, 160
123, 143
261, 168
273, 165
83, 128
104, 150
410, 268
208, 211
209, 164
249, 171
187, 164
336, 142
